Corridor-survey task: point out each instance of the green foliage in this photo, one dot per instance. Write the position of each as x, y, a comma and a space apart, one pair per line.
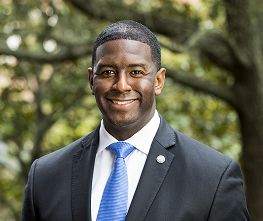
201, 117
47, 105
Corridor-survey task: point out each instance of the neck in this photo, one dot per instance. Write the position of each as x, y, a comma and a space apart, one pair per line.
122, 133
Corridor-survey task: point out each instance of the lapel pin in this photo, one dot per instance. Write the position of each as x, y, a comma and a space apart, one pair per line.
160, 159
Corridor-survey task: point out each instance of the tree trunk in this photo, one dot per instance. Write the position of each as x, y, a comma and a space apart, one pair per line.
245, 30
250, 111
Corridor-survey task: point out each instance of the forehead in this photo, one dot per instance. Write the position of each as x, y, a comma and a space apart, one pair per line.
125, 50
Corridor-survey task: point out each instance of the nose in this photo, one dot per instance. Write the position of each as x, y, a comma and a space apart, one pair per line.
121, 84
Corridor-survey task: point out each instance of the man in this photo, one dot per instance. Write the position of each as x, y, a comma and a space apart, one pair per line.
170, 176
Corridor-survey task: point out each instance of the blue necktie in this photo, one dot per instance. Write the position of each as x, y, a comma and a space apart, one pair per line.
113, 205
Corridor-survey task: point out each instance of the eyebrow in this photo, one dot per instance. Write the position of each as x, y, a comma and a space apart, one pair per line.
100, 66
137, 65
105, 65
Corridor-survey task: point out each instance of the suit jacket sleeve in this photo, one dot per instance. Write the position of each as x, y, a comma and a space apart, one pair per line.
28, 212
229, 201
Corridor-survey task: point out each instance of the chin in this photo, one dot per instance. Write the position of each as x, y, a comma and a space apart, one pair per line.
124, 122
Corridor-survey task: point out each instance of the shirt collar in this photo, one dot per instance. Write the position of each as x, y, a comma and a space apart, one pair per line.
142, 140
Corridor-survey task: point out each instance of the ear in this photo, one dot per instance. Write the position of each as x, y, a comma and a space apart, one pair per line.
159, 81
91, 79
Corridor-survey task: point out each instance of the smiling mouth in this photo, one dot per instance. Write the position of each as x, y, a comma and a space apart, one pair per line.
122, 102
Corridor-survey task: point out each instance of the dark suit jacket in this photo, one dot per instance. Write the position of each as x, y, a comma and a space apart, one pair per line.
195, 183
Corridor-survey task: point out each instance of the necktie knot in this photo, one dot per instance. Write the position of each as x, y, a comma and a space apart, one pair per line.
121, 149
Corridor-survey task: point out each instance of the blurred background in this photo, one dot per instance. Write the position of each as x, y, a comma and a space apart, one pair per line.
212, 50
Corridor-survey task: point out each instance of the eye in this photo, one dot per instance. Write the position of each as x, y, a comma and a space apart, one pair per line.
107, 73
136, 73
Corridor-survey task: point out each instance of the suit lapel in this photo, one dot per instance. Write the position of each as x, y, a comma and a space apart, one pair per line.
82, 171
153, 173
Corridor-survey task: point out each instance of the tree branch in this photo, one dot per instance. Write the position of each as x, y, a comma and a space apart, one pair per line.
214, 47
171, 49
188, 80
177, 26
47, 121
44, 57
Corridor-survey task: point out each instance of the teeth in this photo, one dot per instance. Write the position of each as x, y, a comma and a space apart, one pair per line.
122, 102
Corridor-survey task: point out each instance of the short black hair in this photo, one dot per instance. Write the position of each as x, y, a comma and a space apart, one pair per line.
130, 30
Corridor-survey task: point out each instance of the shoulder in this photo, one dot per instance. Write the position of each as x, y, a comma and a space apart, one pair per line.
188, 148
201, 161
199, 151
64, 155
64, 151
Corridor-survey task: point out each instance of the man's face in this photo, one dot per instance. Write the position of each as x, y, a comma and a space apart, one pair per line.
125, 81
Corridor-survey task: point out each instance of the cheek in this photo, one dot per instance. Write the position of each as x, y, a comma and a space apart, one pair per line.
148, 88
147, 93
100, 86
146, 85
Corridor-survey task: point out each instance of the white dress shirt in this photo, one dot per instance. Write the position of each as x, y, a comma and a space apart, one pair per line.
104, 161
